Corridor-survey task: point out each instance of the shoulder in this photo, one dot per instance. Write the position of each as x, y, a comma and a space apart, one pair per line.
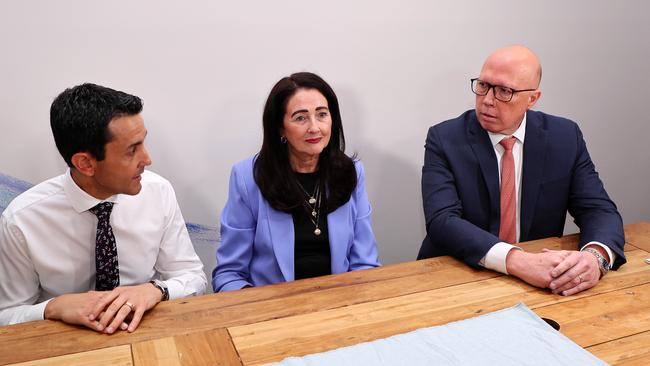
453, 132
550, 122
155, 181
358, 166
242, 176
155, 188
35, 196
149, 177
244, 168
455, 125
243, 172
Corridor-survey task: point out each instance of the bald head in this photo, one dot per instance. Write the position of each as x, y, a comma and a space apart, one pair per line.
516, 68
518, 63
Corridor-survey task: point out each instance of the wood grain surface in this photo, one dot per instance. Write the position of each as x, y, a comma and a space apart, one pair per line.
259, 325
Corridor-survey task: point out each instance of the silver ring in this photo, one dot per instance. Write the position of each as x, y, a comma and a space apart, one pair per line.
129, 305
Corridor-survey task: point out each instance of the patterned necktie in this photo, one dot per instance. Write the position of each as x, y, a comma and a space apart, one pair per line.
508, 225
107, 268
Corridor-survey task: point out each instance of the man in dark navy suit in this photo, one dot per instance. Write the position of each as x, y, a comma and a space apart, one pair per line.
502, 174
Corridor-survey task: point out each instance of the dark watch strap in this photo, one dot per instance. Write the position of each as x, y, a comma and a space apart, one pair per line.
161, 286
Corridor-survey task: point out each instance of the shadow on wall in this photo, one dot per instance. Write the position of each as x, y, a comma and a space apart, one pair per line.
204, 238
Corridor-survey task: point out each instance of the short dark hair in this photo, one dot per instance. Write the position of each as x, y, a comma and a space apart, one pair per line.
273, 173
80, 115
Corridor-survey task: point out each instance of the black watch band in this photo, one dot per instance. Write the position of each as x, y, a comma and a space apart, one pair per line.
160, 285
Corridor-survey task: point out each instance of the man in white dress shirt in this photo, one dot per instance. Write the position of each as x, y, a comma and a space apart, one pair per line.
502, 173
106, 224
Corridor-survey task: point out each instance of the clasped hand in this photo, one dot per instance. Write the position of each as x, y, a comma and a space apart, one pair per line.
565, 272
105, 311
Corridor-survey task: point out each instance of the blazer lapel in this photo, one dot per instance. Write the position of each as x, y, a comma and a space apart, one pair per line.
282, 238
484, 152
339, 231
532, 170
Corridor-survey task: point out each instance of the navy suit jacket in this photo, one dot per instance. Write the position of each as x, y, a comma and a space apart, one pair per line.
460, 188
257, 241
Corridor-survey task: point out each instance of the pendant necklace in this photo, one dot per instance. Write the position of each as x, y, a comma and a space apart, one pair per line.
313, 204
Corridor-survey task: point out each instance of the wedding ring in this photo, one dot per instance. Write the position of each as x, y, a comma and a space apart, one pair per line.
129, 305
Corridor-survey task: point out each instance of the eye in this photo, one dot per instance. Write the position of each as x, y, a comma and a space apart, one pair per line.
299, 118
323, 114
503, 91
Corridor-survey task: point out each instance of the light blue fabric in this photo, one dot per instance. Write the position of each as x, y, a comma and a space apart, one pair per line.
513, 336
257, 241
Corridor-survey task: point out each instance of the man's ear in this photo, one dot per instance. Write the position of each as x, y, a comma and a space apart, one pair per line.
85, 163
533, 98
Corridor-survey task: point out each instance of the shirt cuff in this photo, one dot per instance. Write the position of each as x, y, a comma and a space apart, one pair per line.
495, 258
612, 255
39, 310
176, 289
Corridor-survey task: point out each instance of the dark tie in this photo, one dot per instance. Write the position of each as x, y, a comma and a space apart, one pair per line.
106, 265
508, 224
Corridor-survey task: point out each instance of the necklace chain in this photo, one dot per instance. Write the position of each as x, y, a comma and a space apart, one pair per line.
313, 204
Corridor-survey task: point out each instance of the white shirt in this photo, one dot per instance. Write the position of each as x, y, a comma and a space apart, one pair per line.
495, 258
47, 244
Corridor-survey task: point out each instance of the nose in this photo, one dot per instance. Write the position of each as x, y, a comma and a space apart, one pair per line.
146, 159
313, 125
489, 97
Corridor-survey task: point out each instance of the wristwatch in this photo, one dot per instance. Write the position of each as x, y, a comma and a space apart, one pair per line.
160, 285
603, 264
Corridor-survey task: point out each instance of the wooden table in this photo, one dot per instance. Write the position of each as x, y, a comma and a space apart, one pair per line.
258, 325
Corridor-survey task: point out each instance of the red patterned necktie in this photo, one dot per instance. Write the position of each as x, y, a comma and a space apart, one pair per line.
508, 225
107, 267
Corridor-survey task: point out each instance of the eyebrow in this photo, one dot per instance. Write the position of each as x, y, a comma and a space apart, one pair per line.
299, 111
306, 111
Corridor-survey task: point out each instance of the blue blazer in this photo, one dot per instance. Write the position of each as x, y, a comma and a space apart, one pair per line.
257, 241
460, 188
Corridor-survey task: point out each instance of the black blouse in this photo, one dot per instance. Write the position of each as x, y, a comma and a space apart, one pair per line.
312, 256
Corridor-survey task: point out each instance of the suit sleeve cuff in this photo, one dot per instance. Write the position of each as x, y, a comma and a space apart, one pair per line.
495, 258
610, 253
234, 285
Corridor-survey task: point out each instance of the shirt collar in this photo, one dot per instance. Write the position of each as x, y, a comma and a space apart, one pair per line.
495, 138
80, 200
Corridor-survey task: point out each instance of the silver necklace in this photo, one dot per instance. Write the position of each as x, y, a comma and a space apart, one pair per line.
312, 205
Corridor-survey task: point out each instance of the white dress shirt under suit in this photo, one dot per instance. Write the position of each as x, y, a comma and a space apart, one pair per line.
47, 244
495, 258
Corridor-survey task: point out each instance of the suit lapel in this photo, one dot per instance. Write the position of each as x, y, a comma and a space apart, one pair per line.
484, 153
338, 233
282, 238
532, 170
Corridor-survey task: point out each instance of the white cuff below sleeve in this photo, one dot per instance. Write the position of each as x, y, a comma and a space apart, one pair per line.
495, 258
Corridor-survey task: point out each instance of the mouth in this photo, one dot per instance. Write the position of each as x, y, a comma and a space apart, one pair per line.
488, 116
314, 140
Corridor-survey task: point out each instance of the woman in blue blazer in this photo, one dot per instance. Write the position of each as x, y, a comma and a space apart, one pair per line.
297, 209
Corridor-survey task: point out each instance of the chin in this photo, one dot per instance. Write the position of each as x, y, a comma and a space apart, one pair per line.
491, 127
134, 190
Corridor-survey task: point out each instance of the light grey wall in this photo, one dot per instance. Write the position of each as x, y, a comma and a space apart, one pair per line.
204, 69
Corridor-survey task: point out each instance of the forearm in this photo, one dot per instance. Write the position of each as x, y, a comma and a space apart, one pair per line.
460, 238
